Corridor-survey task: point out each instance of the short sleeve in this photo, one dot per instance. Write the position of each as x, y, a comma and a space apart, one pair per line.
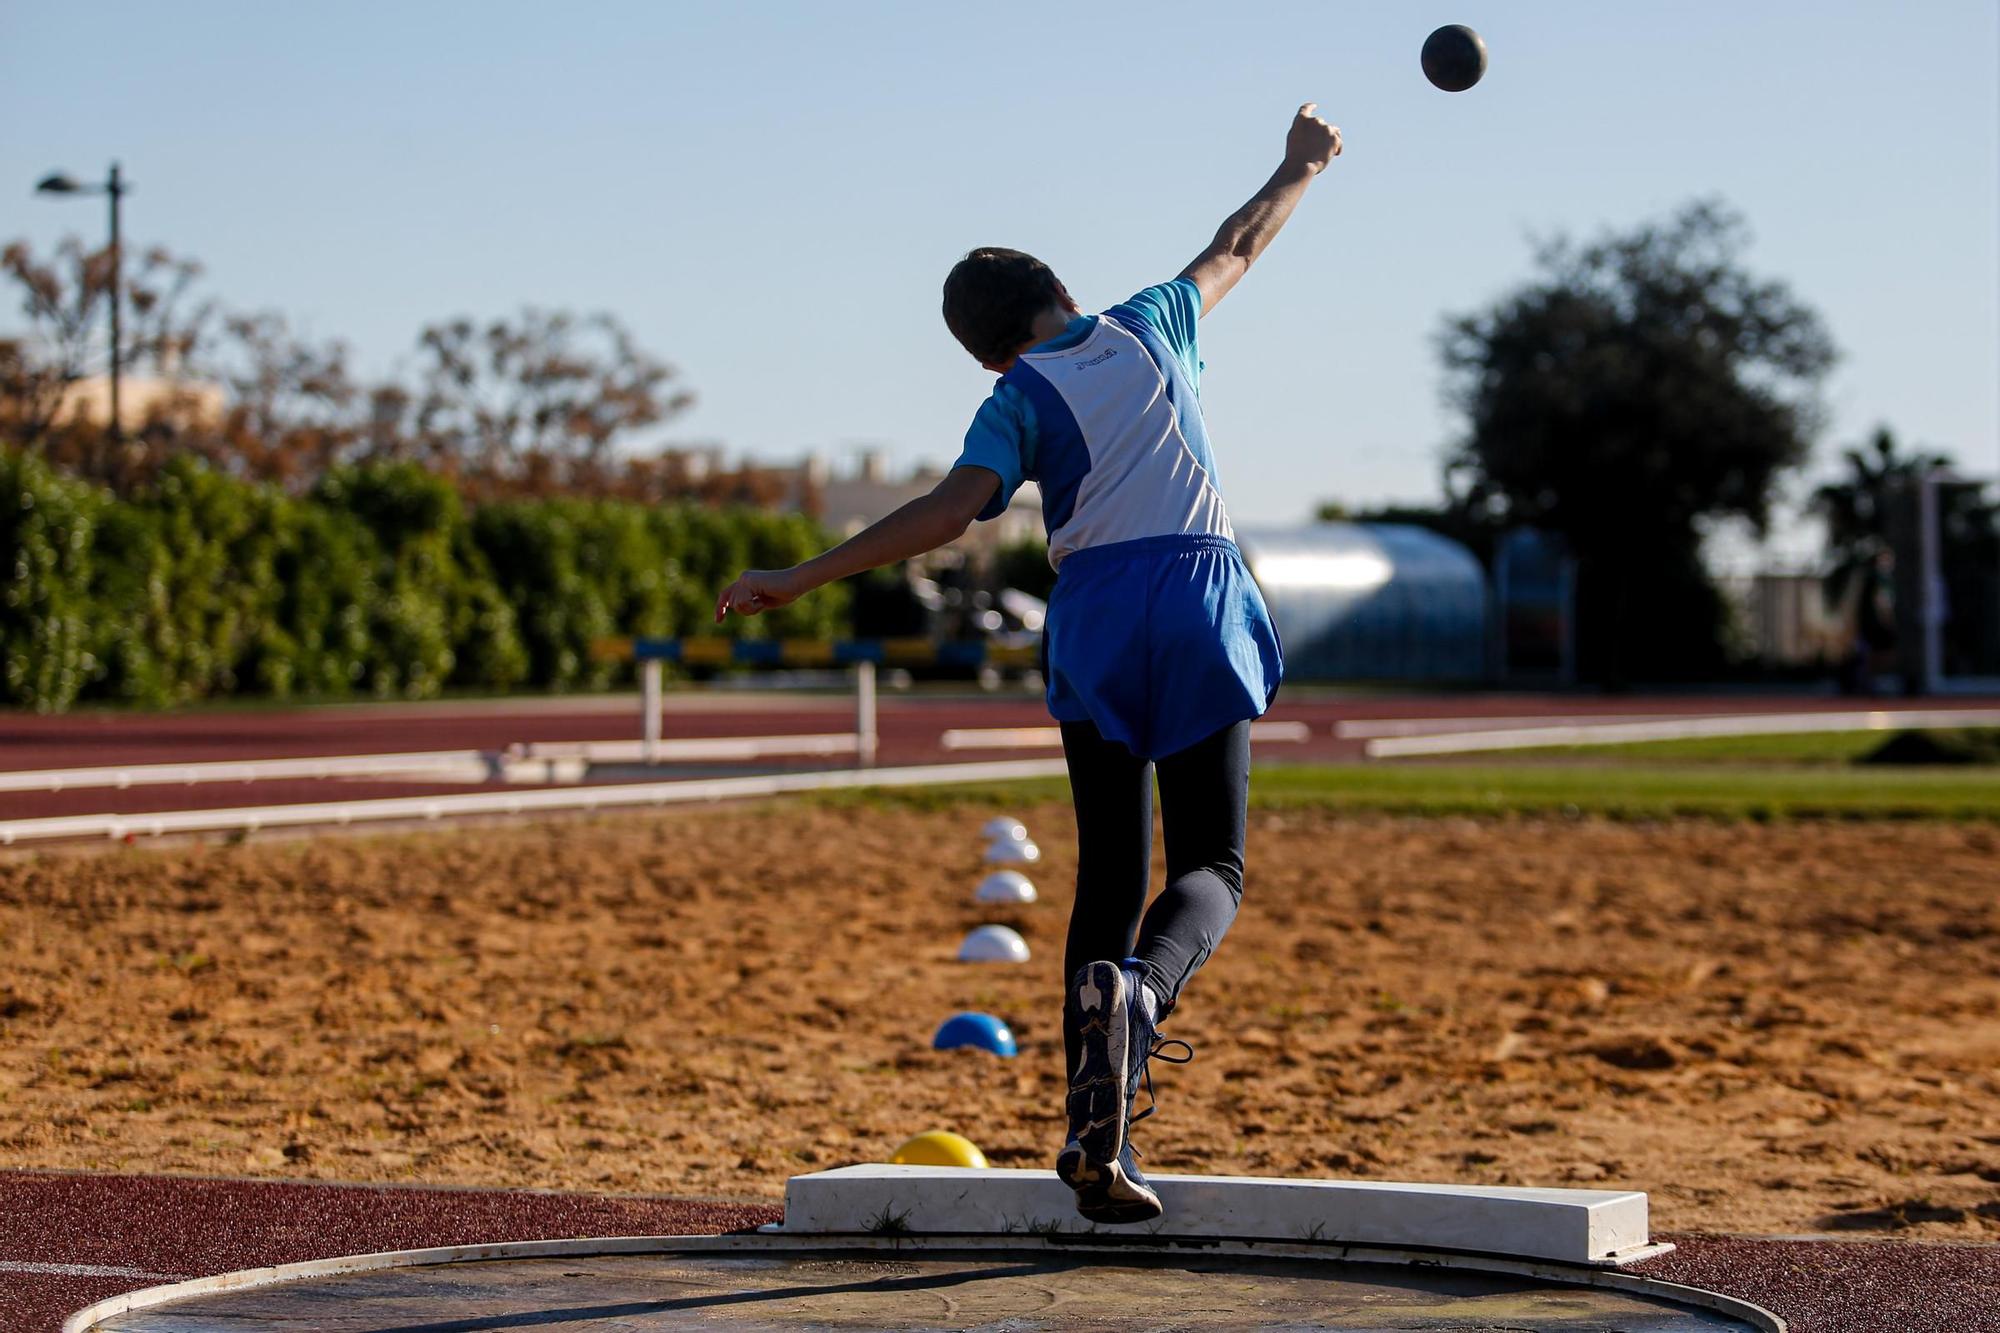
1001, 439
1174, 311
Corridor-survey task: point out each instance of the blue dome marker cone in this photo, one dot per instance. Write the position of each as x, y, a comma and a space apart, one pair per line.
980, 1031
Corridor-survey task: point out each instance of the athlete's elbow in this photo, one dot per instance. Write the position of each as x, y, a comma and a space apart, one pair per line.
954, 526
945, 524
1243, 251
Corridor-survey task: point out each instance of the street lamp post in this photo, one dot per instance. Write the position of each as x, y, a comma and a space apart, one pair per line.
114, 187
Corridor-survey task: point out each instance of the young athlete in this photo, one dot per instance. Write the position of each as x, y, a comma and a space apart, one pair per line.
1158, 646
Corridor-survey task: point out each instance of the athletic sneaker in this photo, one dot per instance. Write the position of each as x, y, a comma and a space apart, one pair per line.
1098, 1010
1116, 1036
1119, 1195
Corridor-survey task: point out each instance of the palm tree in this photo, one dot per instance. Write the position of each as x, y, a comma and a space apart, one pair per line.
1860, 516
1859, 511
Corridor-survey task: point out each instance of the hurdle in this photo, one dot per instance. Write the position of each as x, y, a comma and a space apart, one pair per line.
860, 656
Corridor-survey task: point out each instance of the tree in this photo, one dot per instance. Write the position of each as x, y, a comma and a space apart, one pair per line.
529, 407
1859, 509
546, 389
1637, 388
295, 412
1861, 516
67, 301
1871, 518
532, 405
280, 381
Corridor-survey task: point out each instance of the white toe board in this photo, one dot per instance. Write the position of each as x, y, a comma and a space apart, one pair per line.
1563, 1225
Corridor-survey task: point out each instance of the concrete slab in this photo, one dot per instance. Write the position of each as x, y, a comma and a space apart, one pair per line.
1561, 1225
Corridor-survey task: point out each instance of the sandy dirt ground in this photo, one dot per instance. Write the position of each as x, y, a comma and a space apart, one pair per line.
1773, 1029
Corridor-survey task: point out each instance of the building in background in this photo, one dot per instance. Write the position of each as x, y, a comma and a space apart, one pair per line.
174, 400
1783, 620
1372, 601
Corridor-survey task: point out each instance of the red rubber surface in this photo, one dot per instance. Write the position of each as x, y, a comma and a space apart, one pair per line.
910, 731
178, 1227
182, 1228
87, 738
1846, 1286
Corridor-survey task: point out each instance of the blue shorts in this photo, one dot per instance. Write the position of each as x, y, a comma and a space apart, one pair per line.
1161, 642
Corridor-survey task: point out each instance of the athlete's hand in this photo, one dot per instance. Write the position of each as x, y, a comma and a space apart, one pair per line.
1311, 143
757, 590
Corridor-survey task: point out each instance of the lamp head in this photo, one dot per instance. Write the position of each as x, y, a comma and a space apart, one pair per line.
57, 183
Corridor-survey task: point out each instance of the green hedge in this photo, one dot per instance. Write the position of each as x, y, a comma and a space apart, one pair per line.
379, 583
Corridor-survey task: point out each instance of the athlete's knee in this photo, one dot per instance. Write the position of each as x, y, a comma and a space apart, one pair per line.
1231, 875
1201, 880
1226, 866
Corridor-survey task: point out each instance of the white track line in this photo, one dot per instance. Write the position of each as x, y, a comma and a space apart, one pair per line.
85, 1270
700, 747
422, 766
252, 770
1365, 728
621, 796
1050, 738
696, 700
1001, 738
1686, 728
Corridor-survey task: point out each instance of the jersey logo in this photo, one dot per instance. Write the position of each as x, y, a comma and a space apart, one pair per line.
1099, 359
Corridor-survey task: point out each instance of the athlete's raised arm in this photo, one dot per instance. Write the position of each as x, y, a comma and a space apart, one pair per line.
1310, 144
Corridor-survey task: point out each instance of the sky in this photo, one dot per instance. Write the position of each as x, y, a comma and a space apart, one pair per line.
770, 194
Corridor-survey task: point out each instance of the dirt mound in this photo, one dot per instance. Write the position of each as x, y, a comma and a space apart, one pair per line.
1769, 1027
1973, 745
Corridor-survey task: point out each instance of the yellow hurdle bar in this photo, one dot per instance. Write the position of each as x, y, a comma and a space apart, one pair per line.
707, 652
808, 652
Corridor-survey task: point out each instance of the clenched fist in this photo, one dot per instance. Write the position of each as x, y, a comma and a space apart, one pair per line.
757, 591
1311, 143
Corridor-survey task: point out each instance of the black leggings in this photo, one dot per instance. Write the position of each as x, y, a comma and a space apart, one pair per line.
1203, 792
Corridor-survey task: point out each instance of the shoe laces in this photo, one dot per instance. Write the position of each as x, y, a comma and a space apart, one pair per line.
1157, 1051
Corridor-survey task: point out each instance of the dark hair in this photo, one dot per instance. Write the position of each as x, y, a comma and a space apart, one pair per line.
991, 298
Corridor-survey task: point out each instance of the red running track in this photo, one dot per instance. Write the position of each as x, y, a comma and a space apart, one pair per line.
910, 730
95, 738
58, 1232
67, 1240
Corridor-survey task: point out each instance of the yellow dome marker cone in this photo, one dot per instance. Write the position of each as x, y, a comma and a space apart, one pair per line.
939, 1147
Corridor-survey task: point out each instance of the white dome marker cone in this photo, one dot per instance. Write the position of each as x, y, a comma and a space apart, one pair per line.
1010, 852
1004, 826
993, 944
1005, 886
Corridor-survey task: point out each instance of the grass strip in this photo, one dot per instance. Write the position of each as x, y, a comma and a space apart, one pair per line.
1823, 748
1616, 791
1818, 747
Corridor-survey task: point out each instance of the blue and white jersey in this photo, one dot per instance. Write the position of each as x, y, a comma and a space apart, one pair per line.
1156, 632
1106, 419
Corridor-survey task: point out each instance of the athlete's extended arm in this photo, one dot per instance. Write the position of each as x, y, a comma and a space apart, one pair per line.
924, 524
1309, 146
